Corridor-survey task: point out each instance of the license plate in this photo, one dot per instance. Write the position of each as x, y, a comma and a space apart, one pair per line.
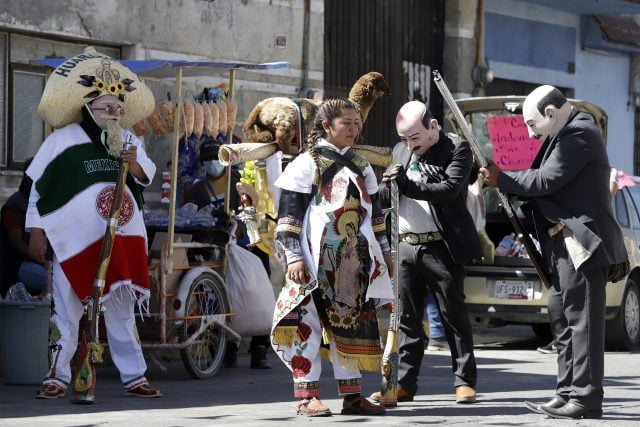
514, 289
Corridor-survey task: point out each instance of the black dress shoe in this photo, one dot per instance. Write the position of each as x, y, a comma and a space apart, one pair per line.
573, 411
556, 402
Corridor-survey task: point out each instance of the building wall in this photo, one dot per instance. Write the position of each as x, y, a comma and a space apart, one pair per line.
220, 30
460, 45
599, 77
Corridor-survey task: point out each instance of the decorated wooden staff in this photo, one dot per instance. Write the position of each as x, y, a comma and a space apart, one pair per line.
390, 357
89, 349
523, 236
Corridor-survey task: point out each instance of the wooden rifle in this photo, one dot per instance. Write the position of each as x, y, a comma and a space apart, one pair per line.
89, 349
522, 235
391, 354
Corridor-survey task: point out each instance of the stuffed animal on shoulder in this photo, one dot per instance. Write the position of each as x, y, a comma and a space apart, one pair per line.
285, 121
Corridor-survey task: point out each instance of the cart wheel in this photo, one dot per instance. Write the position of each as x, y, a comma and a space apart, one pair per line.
203, 358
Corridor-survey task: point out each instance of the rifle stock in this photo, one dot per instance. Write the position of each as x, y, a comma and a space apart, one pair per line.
391, 354
89, 348
522, 235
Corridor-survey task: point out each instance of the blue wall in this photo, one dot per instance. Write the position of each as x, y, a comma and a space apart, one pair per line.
530, 43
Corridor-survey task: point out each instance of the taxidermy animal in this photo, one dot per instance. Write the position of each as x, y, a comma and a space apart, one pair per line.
276, 119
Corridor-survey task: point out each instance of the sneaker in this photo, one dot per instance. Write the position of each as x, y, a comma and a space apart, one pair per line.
548, 349
437, 344
50, 391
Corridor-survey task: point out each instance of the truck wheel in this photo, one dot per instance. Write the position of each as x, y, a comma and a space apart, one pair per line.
623, 331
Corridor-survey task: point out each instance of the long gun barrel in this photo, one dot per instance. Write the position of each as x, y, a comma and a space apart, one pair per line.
90, 349
391, 354
523, 236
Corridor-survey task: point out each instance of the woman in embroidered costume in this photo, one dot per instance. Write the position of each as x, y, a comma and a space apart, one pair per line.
332, 233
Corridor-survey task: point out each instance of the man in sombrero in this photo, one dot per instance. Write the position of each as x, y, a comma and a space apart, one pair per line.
90, 99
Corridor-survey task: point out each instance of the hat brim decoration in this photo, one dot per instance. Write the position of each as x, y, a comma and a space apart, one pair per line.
83, 78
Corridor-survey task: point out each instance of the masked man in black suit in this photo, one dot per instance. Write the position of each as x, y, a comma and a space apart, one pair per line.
437, 236
581, 242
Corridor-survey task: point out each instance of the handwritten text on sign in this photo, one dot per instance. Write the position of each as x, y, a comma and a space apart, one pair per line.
512, 147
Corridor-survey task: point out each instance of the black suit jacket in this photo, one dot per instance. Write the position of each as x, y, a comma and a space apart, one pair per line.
569, 182
447, 198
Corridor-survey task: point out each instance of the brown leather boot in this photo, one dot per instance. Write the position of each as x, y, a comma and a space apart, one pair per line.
403, 396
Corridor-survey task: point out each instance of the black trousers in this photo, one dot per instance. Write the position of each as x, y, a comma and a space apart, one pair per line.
576, 312
431, 265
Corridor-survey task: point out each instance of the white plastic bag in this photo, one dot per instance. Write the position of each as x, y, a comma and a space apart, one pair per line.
250, 292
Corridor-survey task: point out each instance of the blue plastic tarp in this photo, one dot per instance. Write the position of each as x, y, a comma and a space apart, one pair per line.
160, 69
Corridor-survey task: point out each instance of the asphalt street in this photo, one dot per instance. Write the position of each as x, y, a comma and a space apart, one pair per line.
510, 372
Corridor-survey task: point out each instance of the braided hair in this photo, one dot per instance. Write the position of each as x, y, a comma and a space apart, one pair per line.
328, 111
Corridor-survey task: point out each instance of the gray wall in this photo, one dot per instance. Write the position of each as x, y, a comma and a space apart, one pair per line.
207, 30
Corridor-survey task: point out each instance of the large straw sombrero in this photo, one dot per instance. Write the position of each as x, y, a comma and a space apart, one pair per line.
87, 76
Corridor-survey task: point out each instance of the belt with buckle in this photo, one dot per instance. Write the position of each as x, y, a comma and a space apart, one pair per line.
552, 231
421, 238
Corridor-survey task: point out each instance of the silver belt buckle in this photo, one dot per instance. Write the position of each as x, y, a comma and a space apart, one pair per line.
552, 231
412, 238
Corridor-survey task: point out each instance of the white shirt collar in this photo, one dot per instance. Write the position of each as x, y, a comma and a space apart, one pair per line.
324, 143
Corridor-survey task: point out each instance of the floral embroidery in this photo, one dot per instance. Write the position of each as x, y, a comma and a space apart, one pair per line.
304, 331
300, 365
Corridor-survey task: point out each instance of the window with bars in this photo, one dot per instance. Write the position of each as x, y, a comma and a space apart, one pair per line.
21, 85
26, 128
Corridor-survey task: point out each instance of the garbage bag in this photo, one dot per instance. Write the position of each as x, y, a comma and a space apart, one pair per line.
250, 292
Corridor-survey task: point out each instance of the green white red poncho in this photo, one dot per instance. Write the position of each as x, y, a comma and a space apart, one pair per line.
74, 182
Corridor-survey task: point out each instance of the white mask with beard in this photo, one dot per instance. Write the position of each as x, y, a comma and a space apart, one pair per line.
106, 112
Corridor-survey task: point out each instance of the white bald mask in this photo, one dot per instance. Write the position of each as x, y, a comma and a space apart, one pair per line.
412, 130
555, 112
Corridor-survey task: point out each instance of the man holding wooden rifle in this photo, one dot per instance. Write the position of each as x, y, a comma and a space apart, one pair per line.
89, 99
437, 236
580, 239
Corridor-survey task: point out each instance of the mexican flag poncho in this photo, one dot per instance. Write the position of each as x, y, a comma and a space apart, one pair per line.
75, 184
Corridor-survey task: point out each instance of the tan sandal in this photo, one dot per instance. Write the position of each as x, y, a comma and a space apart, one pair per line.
313, 408
143, 390
50, 391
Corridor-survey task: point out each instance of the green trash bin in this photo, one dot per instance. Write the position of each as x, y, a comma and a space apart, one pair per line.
24, 341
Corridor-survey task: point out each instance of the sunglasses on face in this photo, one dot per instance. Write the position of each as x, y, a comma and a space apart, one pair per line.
112, 110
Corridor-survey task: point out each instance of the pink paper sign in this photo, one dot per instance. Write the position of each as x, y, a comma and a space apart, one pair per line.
512, 147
